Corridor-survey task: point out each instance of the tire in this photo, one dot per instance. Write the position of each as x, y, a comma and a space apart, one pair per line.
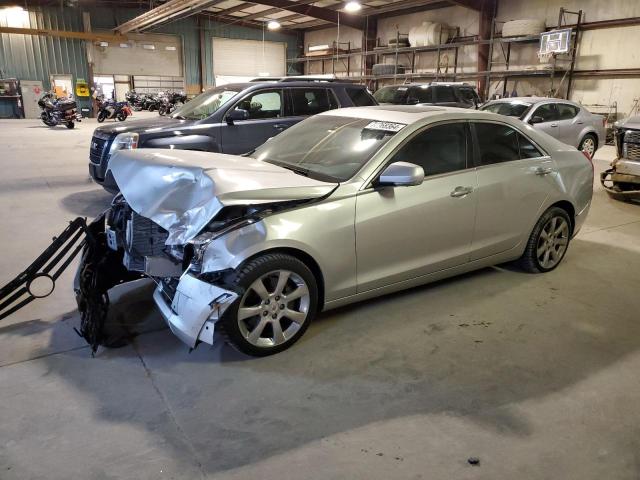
102, 115
162, 110
152, 108
523, 27
121, 116
551, 234
255, 334
589, 144
71, 125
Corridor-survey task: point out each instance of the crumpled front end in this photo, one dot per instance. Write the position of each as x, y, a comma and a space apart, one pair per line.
622, 180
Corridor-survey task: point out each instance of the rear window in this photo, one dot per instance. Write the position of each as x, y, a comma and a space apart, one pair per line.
311, 101
396, 95
360, 97
508, 108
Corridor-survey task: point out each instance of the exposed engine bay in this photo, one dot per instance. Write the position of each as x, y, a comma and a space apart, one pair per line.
622, 180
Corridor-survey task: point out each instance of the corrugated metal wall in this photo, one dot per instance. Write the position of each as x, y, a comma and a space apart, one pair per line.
36, 57
31, 57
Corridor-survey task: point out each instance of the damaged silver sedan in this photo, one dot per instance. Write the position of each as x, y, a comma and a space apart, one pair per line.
346, 205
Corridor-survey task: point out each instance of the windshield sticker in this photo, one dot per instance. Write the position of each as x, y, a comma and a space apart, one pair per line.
386, 126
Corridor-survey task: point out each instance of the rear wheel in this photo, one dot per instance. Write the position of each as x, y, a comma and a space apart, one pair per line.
279, 300
548, 242
122, 116
102, 115
589, 144
71, 125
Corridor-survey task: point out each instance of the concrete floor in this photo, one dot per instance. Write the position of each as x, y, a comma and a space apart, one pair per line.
537, 375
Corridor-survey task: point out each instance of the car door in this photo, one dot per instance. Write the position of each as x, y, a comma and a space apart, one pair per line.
265, 109
569, 124
547, 120
406, 232
515, 178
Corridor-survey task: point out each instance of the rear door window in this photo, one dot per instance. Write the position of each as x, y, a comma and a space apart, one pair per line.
566, 111
445, 95
468, 96
527, 149
496, 143
311, 101
360, 97
421, 94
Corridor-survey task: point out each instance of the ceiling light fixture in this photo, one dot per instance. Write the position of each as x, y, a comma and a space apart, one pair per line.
273, 25
352, 6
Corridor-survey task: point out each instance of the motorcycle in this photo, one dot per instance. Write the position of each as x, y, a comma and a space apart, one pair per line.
57, 111
136, 100
110, 109
152, 102
171, 101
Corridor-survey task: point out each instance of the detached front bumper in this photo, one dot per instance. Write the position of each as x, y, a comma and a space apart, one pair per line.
193, 309
622, 181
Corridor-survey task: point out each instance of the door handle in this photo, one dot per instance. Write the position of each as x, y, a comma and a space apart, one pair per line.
543, 171
579, 123
554, 124
280, 126
461, 192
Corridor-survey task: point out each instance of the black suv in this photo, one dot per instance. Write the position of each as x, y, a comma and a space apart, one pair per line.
455, 94
233, 118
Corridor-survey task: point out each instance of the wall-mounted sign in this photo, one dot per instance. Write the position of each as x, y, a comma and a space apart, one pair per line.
82, 88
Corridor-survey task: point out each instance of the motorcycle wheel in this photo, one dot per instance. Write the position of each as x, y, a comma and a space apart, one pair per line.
121, 116
162, 110
71, 125
102, 116
152, 108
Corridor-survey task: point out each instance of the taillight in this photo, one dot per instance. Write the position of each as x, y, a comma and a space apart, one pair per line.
588, 158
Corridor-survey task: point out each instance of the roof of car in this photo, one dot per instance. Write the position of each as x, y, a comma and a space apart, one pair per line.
532, 100
401, 113
239, 86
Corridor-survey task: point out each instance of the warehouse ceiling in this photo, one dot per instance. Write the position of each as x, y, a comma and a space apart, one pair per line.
291, 14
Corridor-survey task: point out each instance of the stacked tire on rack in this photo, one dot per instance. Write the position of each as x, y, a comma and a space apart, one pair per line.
524, 27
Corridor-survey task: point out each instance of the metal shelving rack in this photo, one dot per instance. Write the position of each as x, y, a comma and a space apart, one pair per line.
506, 45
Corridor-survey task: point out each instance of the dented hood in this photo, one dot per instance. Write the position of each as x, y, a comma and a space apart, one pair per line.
182, 190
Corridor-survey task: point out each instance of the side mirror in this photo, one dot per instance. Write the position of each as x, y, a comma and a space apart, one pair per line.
536, 119
401, 174
237, 114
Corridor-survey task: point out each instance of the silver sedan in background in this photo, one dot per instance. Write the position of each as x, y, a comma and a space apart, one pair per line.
344, 206
567, 121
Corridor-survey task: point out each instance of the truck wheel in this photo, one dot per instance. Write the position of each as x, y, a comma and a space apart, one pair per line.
279, 301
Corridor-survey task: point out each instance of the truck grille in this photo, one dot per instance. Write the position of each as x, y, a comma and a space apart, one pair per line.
99, 143
631, 145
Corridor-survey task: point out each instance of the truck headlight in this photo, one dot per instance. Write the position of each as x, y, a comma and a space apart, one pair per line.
124, 141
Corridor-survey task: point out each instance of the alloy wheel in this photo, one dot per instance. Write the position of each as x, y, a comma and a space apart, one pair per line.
552, 242
273, 308
589, 146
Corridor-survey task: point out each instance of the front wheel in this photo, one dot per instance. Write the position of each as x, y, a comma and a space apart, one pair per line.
102, 116
279, 300
589, 144
548, 242
162, 110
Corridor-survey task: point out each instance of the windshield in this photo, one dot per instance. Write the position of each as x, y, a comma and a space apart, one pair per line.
204, 104
397, 95
507, 108
327, 148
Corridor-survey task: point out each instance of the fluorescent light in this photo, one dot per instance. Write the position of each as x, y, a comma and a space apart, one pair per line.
124, 45
317, 48
149, 46
103, 44
171, 48
273, 25
15, 16
352, 6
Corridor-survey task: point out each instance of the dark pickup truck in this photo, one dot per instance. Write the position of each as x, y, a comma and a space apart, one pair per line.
233, 118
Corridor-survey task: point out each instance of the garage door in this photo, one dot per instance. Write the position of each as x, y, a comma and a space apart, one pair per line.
240, 60
145, 54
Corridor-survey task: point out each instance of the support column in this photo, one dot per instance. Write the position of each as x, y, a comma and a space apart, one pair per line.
368, 44
486, 15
